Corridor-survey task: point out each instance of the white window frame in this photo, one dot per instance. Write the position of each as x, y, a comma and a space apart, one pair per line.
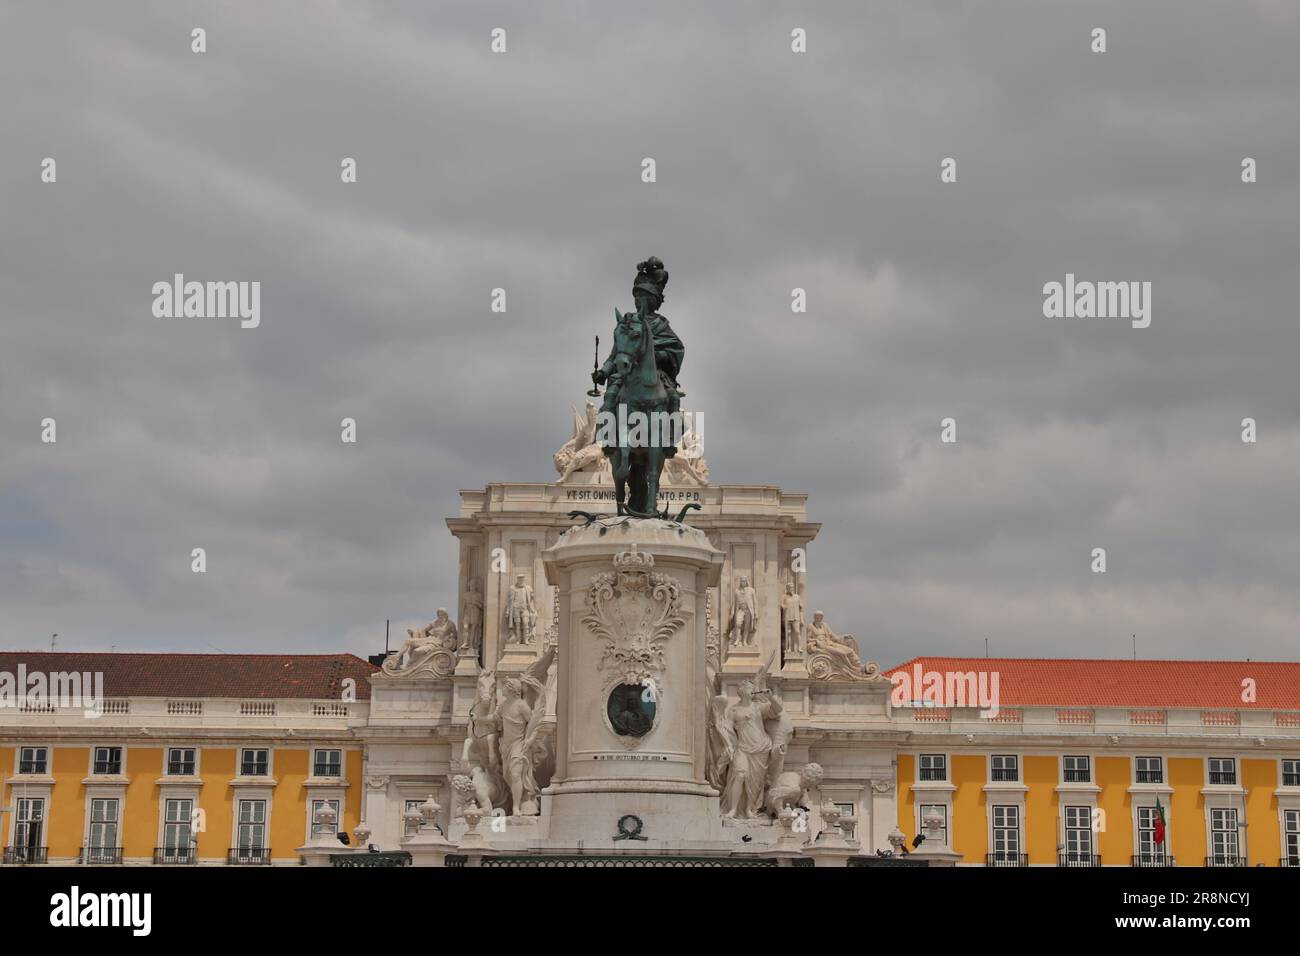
1209, 772
94, 755
1157, 851
190, 797
920, 769
1019, 768
1019, 812
167, 761
1071, 830
265, 822
270, 764
1164, 772
20, 817
342, 763
1281, 771
1291, 835
18, 760
1210, 812
1091, 769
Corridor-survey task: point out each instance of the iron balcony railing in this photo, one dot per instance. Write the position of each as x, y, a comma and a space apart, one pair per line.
1150, 776
1289, 861
1076, 858
1006, 858
1225, 859
1153, 859
101, 855
174, 854
1228, 777
27, 854
249, 856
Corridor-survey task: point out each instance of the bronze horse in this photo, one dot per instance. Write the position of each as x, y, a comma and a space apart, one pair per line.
643, 405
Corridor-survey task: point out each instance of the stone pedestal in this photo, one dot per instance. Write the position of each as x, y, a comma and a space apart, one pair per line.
630, 762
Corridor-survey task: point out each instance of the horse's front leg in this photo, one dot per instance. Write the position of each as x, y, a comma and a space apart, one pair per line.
654, 465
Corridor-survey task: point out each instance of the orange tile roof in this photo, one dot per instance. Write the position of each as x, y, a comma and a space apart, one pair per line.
301, 676
1047, 682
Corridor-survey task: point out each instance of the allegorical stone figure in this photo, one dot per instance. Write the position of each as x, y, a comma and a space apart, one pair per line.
422, 642
471, 621
747, 750
792, 622
744, 615
516, 759
838, 652
521, 613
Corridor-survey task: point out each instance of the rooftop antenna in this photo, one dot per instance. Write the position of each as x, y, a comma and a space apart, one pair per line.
1135, 647
386, 622
986, 647
217, 649
53, 640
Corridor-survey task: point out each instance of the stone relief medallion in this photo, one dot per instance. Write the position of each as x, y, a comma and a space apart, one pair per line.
634, 610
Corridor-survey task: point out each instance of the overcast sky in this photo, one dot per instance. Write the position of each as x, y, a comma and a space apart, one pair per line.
775, 170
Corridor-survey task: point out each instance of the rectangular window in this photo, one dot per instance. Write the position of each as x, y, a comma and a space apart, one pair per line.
180, 762
108, 760
328, 763
1006, 834
1078, 835
177, 816
1291, 773
252, 825
1078, 769
1223, 837
103, 824
29, 825
943, 812
1291, 837
934, 767
1149, 770
254, 762
33, 760
1223, 770
1006, 767
1149, 851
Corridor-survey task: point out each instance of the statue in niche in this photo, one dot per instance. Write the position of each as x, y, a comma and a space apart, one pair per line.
835, 657
426, 649
471, 623
792, 622
744, 615
752, 732
521, 613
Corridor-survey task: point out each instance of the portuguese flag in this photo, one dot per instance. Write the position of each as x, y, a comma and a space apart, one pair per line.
1160, 823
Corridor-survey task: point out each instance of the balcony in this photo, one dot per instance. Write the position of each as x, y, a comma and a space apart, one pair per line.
1150, 776
1153, 859
1006, 858
27, 854
249, 856
1076, 858
1289, 861
1225, 859
101, 855
1221, 778
166, 855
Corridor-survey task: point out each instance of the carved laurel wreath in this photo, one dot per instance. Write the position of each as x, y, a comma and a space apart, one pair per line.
635, 610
